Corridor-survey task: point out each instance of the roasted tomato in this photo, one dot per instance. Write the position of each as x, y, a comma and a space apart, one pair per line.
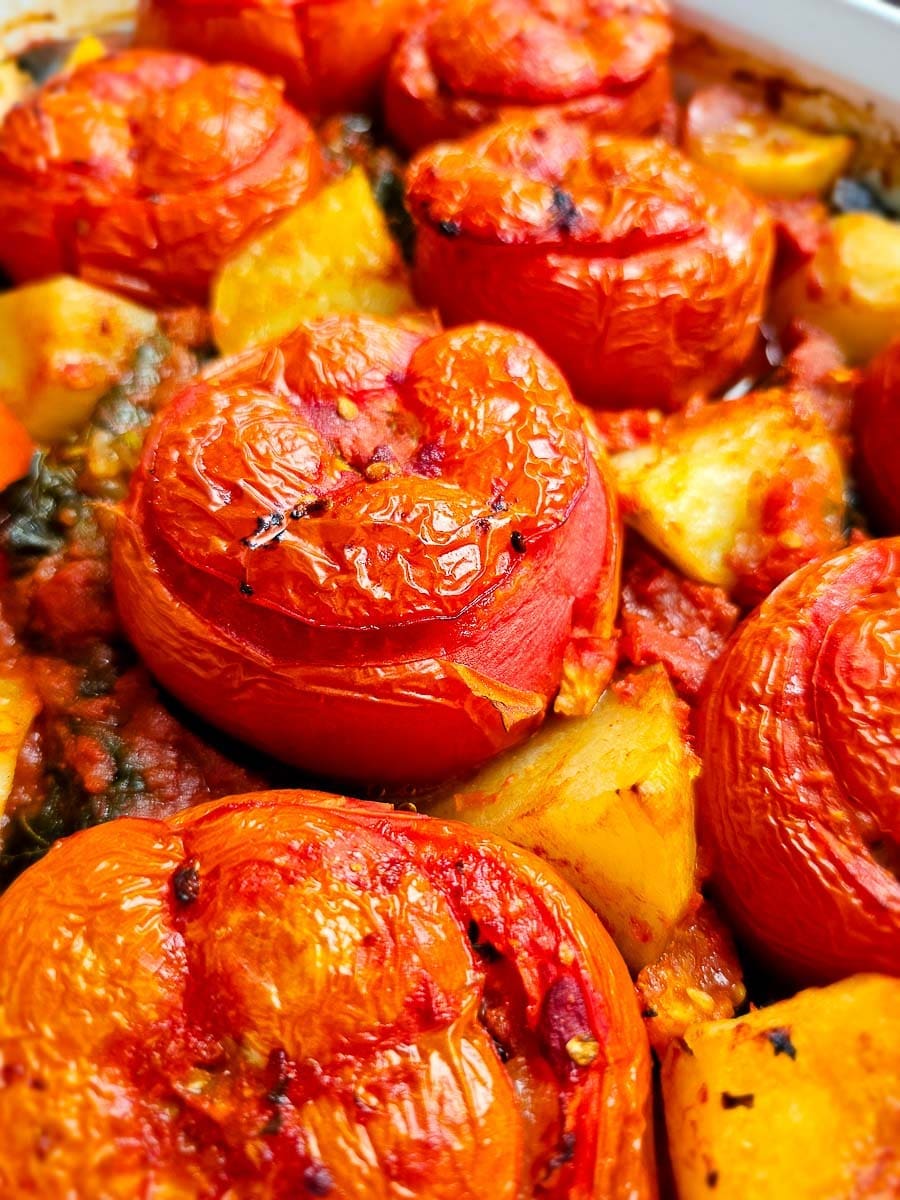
471, 62
800, 792
642, 274
877, 428
373, 550
319, 997
332, 54
140, 172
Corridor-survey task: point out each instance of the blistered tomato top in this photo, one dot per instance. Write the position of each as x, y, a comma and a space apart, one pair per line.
141, 171
414, 514
472, 61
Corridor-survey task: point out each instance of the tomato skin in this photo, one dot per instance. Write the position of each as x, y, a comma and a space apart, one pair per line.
472, 62
876, 421
331, 54
640, 273
801, 776
452, 561
425, 1052
16, 448
140, 172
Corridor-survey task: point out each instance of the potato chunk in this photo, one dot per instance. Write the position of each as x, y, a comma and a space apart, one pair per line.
332, 254
64, 344
14, 85
793, 1102
698, 492
851, 288
608, 800
19, 705
739, 136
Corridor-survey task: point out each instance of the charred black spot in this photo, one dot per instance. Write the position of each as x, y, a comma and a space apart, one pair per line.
186, 882
781, 1042
483, 525
486, 950
565, 1153
498, 504
246, 589
712, 1179
450, 229
517, 541
743, 1100
317, 1180
649, 1014
565, 210
273, 1124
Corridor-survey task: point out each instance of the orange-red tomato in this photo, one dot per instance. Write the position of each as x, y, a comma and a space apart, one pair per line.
289, 994
642, 274
876, 418
471, 62
373, 550
140, 172
800, 738
332, 54
16, 448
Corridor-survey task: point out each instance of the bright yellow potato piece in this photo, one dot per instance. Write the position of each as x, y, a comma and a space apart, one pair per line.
770, 156
608, 800
695, 491
14, 84
851, 289
799, 1101
332, 254
64, 343
19, 705
86, 49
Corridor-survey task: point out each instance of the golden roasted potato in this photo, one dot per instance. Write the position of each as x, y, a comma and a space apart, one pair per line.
798, 1101
608, 800
332, 254
14, 83
19, 705
739, 136
698, 491
65, 343
851, 287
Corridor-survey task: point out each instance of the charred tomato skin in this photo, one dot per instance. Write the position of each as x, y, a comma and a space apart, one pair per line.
876, 418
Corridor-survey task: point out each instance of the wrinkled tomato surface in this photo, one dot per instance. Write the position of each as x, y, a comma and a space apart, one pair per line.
141, 171
374, 550
640, 273
319, 997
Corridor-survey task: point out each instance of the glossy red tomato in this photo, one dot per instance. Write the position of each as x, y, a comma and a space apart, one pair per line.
470, 62
332, 54
640, 273
286, 995
374, 550
800, 737
140, 172
877, 431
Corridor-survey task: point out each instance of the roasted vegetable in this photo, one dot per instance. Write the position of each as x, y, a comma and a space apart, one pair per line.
16, 448
738, 494
319, 997
640, 273
800, 741
877, 429
851, 287
332, 54
739, 136
14, 86
332, 254
608, 800
64, 344
795, 1102
19, 705
142, 171
470, 62
373, 550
